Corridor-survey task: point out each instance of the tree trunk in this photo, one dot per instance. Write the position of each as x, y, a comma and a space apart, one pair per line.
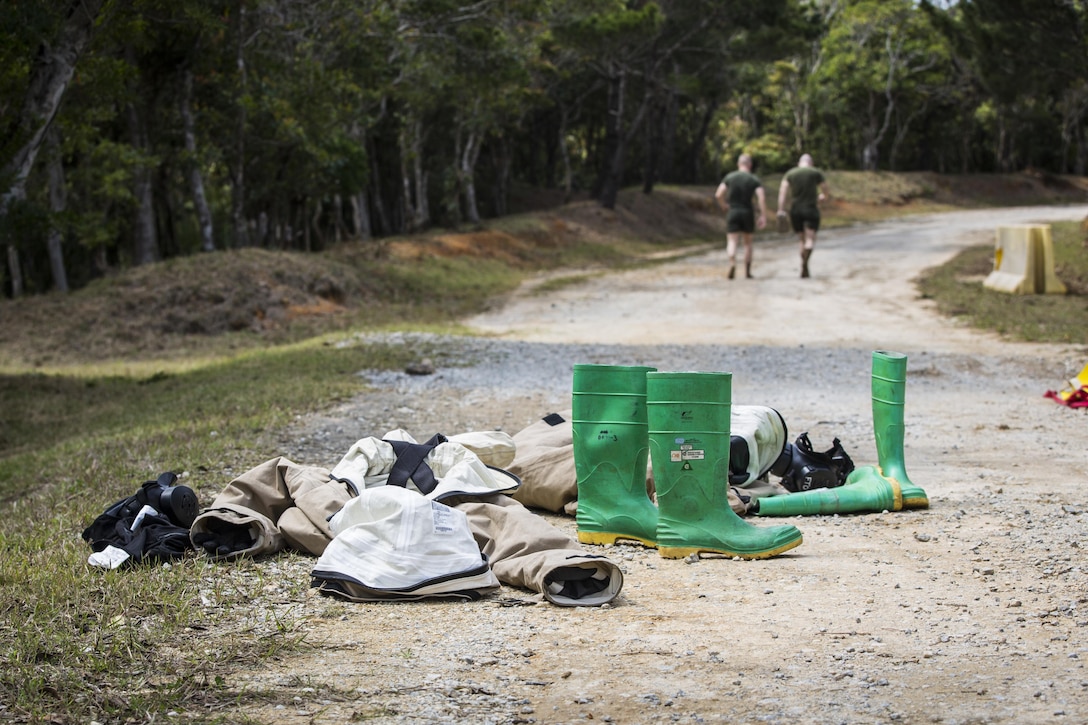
1081, 160
262, 229
453, 197
502, 158
667, 157
564, 153
594, 141
165, 225
653, 142
58, 203
691, 164
49, 77
145, 245
15, 271
965, 143
406, 181
1074, 108
384, 226
869, 151
470, 154
101, 261
315, 226
550, 150
613, 159
1002, 159
536, 149
614, 175
196, 179
878, 129
902, 128
360, 216
423, 209
338, 219
413, 177
238, 174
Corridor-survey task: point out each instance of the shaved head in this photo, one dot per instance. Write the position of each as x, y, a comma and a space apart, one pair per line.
744, 161
806, 160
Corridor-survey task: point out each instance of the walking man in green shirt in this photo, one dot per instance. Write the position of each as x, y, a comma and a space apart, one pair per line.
809, 188
734, 196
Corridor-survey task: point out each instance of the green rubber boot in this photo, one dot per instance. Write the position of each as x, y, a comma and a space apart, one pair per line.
609, 428
689, 417
869, 494
889, 393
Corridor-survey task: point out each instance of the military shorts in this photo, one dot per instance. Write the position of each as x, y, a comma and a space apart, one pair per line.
802, 218
740, 220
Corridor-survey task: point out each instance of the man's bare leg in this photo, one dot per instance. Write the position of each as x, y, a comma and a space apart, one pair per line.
748, 256
731, 252
808, 242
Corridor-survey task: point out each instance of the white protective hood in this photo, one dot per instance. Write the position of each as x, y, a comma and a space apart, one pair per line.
764, 431
392, 543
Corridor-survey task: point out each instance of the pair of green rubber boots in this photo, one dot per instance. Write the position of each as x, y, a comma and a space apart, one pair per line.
868, 489
681, 421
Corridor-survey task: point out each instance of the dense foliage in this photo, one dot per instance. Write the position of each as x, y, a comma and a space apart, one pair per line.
134, 130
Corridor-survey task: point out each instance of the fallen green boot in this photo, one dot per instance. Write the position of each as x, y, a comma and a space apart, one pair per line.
867, 494
689, 418
609, 429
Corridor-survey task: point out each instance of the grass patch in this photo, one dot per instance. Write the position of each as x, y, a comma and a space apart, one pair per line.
555, 284
957, 289
227, 400
118, 645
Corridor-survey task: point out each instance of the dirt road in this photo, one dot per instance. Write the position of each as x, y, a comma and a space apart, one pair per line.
972, 611
861, 293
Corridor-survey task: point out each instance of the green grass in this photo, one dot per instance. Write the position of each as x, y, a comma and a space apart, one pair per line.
84, 643
957, 287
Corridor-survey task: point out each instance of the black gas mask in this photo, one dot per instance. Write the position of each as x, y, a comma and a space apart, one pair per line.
177, 503
803, 469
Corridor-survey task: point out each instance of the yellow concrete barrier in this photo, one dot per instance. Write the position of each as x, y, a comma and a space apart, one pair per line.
1024, 261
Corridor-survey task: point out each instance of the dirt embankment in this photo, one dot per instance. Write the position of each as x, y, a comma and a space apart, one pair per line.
188, 305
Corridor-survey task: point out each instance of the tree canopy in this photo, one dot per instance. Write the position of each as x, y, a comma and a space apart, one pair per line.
137, 130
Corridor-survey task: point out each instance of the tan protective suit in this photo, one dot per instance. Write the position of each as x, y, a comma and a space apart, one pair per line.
281, 504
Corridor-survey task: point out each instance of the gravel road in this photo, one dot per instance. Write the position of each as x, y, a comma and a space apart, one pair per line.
972, 611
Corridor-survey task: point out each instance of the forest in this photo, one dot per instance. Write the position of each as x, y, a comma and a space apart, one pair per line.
133, 131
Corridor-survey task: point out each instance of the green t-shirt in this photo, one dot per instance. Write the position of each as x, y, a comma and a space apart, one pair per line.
742, 187
804, 184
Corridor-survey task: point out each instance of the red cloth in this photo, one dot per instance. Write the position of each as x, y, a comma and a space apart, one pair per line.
1075, 399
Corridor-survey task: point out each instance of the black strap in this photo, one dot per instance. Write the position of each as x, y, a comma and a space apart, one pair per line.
411, 464
553, 419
